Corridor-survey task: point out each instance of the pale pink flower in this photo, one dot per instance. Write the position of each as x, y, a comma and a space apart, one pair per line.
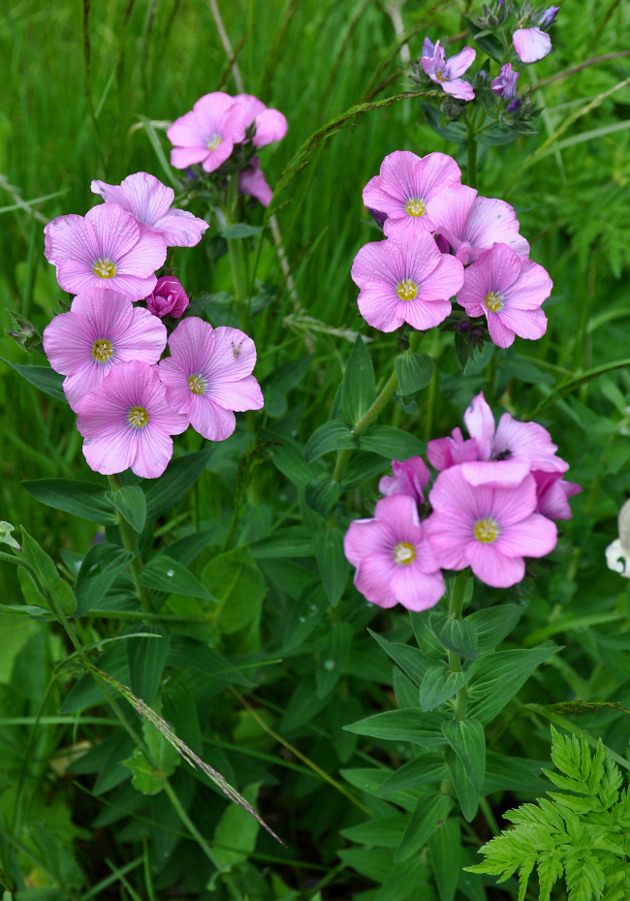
208, 133
407, 282
447, 73
149, 201
126, 422
105, 249
410, 477
102, 329
405, 190
508, 291
472, 224
489, 529
271, 124
252, 181
531, 44
168, 298
392, 557
504, 85
208, 376
553, 494
443, 453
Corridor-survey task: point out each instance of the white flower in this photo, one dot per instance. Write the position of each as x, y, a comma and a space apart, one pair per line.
618, 552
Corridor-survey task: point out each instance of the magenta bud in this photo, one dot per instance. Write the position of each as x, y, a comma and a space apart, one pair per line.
168, 298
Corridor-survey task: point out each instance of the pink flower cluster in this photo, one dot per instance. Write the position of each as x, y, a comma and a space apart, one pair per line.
442, 240
217, 122
128, 402
493, 502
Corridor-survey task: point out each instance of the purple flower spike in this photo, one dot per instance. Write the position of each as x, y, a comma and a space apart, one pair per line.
127, 423
208, 376
102, 329
531, 44
504, 85
208, 133
149, 201
168, 298
447, 74
271, 125
408, 282
392, 557
509, 292
106, 249
410, 477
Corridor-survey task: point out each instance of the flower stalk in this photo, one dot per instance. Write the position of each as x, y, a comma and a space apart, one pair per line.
130, 543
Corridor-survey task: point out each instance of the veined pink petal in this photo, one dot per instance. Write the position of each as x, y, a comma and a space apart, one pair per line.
494, 221
532, 287
459, 88
496, 473
492, 567
192, 344
424, 314
449, 210
380, 307
532, 537
116, 231
480, 424
531, 44
154, 451
209, 419
234, 355
500, 333
141, 194
252, 181
415, 589
390, 190
445, 280
271, 125
366, 537
218, 156
373, 577
63, 239
239, 396
462, 61
530, 324
530, 440
182, 157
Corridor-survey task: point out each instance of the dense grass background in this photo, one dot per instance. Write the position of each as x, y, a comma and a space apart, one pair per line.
81, 83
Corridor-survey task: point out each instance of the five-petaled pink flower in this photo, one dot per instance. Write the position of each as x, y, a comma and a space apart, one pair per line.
405, 282
102, 329
208, 376
107, 249
271, 124
508, 291
447, 73
168, 298
126, 422
489, 529
393, 560
207, 134
149, 201
406, 189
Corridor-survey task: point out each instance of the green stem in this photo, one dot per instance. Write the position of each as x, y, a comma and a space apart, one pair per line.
455, 607
471, 172
235, 254
386, 394
128, 536
188, 823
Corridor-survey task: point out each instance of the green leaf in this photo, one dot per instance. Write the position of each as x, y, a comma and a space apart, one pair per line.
165, 757
332, 659
331, 436
239, 230
387, 832
467, 738
424, 821
358, 388
445, 848
48, 574
467, 794
493, 624
236, 834
147, 779
185, 653
439, 684
427, 767
414, 372
288, 456
391, 442
408, 724
322, 494
42, 377
131, 503
235, 580
496, 678
147, 658
99, 568
452, 131
162, 573
173, 484
331, 562
411, 661
455, 634
85, 499
293, 541
5, 535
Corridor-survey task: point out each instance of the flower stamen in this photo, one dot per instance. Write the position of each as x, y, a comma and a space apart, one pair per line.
493, 301
104, 268
102, 350
486, 530
214, 142
138, 417
415, 206
197, 383
404, 553
406, 289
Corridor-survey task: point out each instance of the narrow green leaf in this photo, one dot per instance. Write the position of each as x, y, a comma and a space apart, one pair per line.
496, 678
427, 767
493, 624
391, 442
358, 388
322, 494
239, 230
411, 661
331, 562
147, 658
236, 833
408, 724
332, 659
467, 738
162, 573
414, 372
146, 778
99, 568
445, 847
387, 832
439, 684
131, 503
239, 585
457, 635
85, 499
173, 484
48, 573
424, 821
42, 377
294, 541
467, 794
331, 436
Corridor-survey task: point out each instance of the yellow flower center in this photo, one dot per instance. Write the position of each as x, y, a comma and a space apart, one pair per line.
197, 383
138, 417
102, 350
494, 301
104, 268
404, 553
441, 75
415, 207
406, 289
214, 142
486, 531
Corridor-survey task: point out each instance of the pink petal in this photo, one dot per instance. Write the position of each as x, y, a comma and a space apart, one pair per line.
422, 313
496, 473
213, 422
389, 191
271, 126
479, 421
532, 287
492, 567
182, 157
175, 378
238, 396
500, 333
530, 324
233, 356
155, 449
179, 228
533, 537
215, 158
366, 537
373, 577
64, 239
458, 64
459, 88
531, 44
415, 589
529, 440
116, 231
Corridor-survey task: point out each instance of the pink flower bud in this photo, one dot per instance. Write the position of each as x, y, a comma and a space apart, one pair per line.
168, 298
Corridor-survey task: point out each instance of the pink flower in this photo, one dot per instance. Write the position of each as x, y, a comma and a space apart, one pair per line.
101, 330
252, 181
472, 224
508, 291
271, 125
443, 453
410, 477
504, 85
126, 422
149, 201
553, 494
531, 44
168, 298
405, 190
446, 73
106, 249
408, 282
208, 376
489, 529
392, 557
208, 133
